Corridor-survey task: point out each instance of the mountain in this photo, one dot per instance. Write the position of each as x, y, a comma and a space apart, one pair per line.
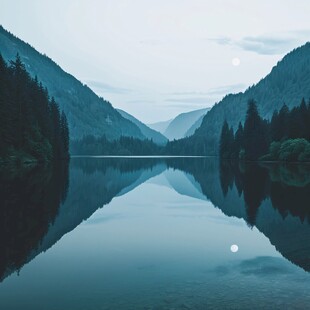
87, 113
288, 82
196, 125
160, 126
149, 133
179, 126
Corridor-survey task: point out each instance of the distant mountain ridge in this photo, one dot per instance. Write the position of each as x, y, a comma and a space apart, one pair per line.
148, 132
288, 82
182, 125
160, 126
87, 113
196, 125
178, 128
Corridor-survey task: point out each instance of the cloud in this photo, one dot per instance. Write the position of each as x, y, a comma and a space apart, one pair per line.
140, 101
202, 99
106, 88
270, 44
222, 90
151, 42
267, 45
227, 89
187, 106
189, 100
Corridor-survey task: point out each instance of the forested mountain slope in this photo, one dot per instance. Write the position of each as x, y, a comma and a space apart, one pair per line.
87, 113
288, 82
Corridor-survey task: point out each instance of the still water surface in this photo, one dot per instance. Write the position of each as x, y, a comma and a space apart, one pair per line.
155, 234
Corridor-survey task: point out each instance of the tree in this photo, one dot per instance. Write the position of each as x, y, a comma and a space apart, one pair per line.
255, 135
238, 141
64, 134
226, 141
30, 123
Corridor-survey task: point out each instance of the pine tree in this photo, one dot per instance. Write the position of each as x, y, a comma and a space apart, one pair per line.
4, 107
226, 141
255, 138
238, 141
56, 131
30, 124
64, 135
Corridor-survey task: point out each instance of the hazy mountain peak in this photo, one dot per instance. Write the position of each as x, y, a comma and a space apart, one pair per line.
180, 125
148, 132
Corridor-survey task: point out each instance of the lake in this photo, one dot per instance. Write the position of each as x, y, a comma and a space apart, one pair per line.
155, 233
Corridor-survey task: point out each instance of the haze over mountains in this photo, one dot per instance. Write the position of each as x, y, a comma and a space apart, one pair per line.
182, 125
288, 82
87, 113
160, 126
148, 132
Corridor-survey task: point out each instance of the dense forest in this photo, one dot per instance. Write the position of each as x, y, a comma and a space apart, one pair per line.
32, 128
127, 146
87, 113
287, 83
284, 138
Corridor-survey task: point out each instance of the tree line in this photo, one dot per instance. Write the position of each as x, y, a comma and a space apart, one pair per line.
285, 137
32, 128
127, 146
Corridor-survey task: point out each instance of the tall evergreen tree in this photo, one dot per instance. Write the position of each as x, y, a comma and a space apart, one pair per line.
226, 141
64, 133
30, 124
238, 141
255, 140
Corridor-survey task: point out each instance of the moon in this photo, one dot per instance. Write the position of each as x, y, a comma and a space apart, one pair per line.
234, 248
236, 62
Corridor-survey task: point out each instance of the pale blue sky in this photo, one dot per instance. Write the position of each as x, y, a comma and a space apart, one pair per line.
156, 59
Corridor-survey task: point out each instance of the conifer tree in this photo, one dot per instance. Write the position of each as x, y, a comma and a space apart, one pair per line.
255, 140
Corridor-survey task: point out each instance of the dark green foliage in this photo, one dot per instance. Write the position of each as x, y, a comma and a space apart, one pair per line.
127, 146
238, 144
30, 124
255, 133
87, 113
227, 140
288, 130
288, 81
289, 150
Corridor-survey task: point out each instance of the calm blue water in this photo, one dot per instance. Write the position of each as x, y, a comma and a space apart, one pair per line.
155, 234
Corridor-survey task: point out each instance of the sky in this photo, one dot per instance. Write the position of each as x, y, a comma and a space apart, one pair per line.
158, 58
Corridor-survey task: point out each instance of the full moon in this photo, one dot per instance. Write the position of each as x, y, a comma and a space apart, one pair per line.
235, 62
234, 248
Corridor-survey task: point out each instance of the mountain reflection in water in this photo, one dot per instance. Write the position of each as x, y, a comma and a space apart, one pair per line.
41, 205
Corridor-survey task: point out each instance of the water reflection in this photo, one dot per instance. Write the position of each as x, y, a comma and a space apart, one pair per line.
288, 187
30, 199
285, 188
38, 208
